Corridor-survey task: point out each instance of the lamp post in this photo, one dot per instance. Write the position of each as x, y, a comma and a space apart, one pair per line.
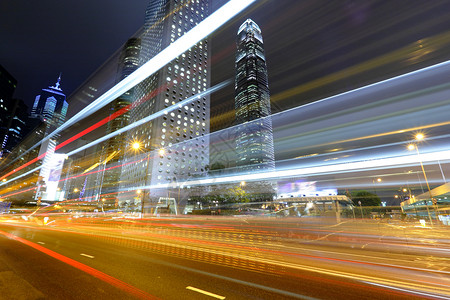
360, 208
136, 147
179, 194
373, 183
413, 146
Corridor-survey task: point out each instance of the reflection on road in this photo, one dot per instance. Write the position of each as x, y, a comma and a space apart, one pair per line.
400, 259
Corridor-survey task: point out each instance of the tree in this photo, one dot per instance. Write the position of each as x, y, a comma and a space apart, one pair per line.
217, 166
366, 198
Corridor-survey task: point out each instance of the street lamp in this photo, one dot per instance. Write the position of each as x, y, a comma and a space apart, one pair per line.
136, 145
373, 183
411, 147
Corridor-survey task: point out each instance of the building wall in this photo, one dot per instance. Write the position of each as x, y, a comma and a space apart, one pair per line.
183, 133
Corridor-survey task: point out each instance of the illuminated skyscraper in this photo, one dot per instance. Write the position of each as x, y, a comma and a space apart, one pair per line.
181, 135
254, 137
50, 106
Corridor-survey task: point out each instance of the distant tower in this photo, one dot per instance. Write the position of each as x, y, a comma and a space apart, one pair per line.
50, 106
182, 135
254, 136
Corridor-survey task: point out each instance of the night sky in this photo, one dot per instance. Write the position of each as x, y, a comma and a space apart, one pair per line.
40, 39
305, 41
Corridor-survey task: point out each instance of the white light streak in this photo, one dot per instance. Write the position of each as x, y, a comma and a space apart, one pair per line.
21, 175
151, 117
318, 170
184, 43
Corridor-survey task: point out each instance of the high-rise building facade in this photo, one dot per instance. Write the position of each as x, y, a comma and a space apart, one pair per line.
17, 125
175, 146
113, 150
50, 106
7, 87
254, 136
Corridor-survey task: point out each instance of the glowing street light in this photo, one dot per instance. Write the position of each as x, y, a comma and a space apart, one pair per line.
420, 136
412, 146
162, 152
75, 190
136, 145
243, 183
373, 183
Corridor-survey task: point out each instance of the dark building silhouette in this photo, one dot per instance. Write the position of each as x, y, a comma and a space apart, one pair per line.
18, 125
7, 87
113, 149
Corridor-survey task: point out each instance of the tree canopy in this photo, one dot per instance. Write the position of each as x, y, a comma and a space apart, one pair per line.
366, 198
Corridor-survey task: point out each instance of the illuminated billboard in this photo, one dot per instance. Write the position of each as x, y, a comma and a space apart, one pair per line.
301, 188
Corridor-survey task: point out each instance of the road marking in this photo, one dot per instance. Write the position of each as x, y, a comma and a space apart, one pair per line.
204, 292
90, 256
85, 268
42, 243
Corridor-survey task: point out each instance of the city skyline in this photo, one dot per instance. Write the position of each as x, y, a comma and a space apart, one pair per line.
227, 149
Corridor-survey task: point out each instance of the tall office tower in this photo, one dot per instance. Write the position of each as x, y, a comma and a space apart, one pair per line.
17, 124
177, 143
7, 87
113, 150
50, 106
254, 137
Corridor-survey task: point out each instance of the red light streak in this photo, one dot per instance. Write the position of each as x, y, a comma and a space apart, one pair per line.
114, 115
19, 192
85, 268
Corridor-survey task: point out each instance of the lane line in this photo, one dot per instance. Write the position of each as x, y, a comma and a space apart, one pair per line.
90, 256
415, 292
204, 292
128, 288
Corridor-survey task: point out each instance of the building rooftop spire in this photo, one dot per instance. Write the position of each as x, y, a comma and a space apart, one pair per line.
56, 87
249, 24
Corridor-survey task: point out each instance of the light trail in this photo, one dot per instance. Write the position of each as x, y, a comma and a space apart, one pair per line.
85, 268
115, 133
182, 44
439, 68
152, 117
21, 175
318, 170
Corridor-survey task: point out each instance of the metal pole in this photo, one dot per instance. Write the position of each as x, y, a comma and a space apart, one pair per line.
145, 183
428, 186
360, 208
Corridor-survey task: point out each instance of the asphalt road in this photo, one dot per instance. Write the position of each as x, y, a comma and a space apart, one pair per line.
217, 259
